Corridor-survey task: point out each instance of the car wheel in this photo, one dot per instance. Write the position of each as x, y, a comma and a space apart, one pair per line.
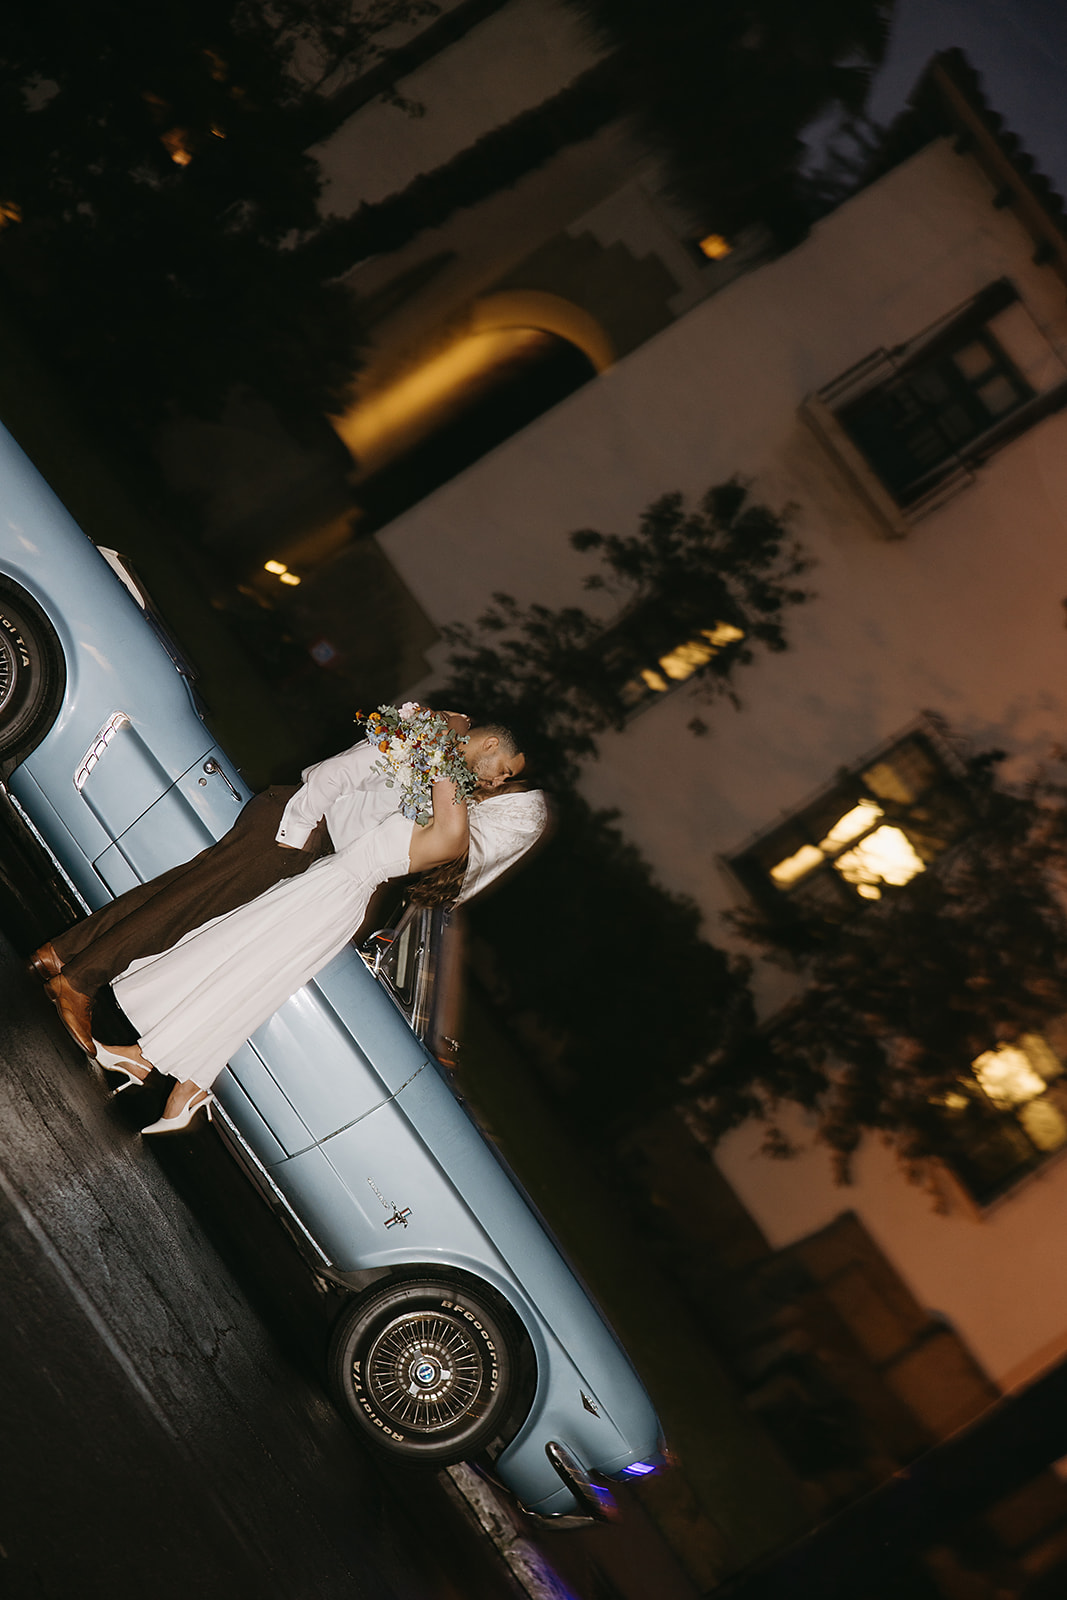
427, 1370
31, 674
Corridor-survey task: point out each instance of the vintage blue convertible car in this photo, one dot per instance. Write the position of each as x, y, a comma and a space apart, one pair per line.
466, 1334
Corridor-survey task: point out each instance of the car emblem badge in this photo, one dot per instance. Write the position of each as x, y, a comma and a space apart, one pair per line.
588, 1404
398, 1215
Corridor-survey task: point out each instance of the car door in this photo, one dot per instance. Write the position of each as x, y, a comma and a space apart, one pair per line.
331, 1055
155, 823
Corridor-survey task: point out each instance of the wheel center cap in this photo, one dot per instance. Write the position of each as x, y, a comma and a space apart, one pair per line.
425, 1372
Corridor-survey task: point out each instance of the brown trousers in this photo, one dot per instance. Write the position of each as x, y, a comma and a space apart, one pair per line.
154, 916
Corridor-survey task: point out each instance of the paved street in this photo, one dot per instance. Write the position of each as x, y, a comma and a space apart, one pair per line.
164, 1424
163, 1415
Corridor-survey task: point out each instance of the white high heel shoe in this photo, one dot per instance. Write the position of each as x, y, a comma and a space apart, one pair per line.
113, 1063
201, 1101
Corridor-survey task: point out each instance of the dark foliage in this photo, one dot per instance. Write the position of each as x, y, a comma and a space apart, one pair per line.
896, 1004
492, 163
726, 89
153, 172
609, 967
611, 971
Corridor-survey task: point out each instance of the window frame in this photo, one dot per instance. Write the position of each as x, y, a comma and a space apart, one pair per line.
965, 1147
893, 443
885, 369
802, 826
641, 640
986, 1131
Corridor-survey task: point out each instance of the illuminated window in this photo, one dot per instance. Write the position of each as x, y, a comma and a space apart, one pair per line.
643, 656
872, 832
176, 142
279, 570
1008, 1115
714, 247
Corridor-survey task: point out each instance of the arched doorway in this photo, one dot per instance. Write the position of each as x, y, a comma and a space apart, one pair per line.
516, 357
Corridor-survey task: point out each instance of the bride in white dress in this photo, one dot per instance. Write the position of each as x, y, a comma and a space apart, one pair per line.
194, 1005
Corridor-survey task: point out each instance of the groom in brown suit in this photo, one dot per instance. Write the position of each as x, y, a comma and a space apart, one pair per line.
339, 799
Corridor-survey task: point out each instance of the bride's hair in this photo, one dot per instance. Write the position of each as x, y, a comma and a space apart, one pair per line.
440, 886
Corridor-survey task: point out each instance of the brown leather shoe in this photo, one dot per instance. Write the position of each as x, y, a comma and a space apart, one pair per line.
75, 1012
45, 963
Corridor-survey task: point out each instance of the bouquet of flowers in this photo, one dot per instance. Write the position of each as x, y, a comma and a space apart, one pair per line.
417, 747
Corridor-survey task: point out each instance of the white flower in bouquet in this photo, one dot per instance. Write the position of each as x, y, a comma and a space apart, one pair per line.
416, 748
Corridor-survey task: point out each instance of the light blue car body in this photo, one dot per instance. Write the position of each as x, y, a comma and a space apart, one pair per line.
340, 1110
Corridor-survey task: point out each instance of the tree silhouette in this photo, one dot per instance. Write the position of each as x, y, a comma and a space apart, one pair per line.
726, 90
558, 672
896, 1004
611, 973
153, 173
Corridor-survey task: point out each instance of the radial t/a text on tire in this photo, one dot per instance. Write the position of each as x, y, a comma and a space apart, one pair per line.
31, 673
426, 1369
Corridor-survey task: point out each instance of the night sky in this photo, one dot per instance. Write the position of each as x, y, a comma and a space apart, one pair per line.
1018, 47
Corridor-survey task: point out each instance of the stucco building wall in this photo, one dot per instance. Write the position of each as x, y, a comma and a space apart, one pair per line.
962, 617
506, 65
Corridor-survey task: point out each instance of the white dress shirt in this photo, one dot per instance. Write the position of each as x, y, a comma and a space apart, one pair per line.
345, 790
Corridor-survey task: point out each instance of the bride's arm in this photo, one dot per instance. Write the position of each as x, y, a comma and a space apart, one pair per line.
446, 836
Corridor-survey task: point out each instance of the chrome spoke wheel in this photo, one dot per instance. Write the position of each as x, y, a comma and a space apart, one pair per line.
424, 1371
431, 1370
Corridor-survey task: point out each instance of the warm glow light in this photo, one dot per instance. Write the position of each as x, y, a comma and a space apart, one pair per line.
1016, 1077
852, 824
654, 680
787, 872
387, 422
277, 567
176, 143
685, 659
681, 662
1007, 1076
887, 782
288, 577
715, 247
885, 856
1045, 1124
722, 633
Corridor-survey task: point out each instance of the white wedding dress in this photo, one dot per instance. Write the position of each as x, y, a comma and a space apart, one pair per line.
196, 1004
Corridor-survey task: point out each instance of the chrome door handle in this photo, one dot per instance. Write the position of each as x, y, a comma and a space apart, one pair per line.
216, 771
